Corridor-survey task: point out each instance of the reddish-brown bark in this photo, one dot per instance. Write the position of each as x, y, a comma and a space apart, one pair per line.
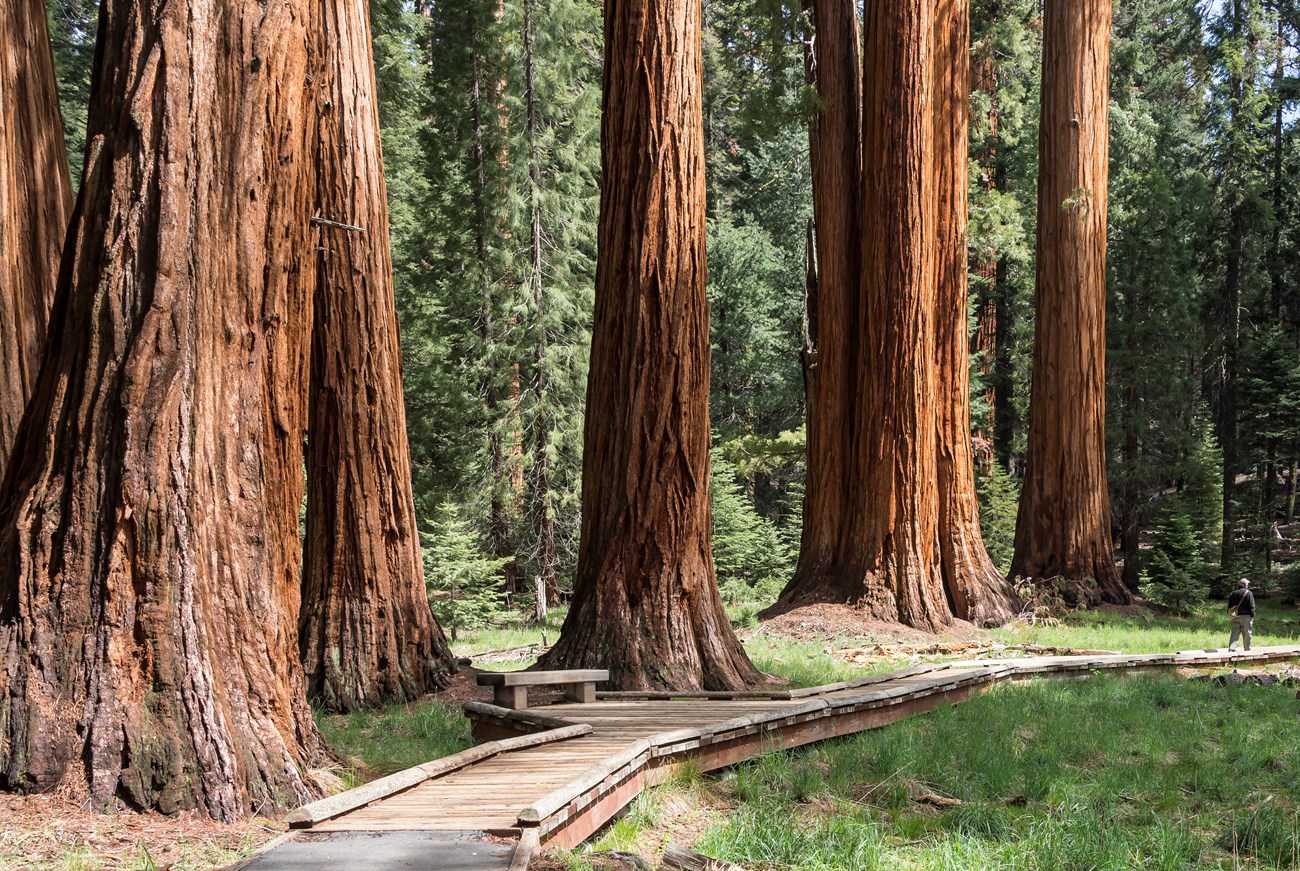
1063, 528
977, 590
646, 604
904, 543
35, 204
366, 634
149, 526
834, 69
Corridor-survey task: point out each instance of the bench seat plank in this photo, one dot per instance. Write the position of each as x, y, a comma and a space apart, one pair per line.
541, 678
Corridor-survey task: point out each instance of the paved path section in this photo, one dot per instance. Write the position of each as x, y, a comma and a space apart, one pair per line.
558, 773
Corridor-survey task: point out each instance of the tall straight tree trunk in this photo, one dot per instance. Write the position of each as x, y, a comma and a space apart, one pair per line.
896, 455
646, 603
977, 590
35, 204
547, 586
1063, 528
1226, 421
149, 527
904, 540
365, 631
481, 99
834, 68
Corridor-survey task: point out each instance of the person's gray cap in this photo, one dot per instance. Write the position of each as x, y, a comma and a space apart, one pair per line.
1244, 582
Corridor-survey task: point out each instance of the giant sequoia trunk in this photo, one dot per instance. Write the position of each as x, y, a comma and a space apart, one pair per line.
149, 528
646, 605
1063, 529
903, 541
35, 202
366, 633
834, 68
978, 591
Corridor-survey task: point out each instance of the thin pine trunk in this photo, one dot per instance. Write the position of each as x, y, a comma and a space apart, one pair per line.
546, 588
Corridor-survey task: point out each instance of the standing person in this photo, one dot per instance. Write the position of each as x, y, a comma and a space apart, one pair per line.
1241, 610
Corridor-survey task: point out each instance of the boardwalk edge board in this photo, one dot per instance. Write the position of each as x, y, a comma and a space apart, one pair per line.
384, 787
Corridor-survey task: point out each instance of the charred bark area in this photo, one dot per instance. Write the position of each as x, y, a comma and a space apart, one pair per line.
35, 204
149, 528
1063, 527
365, 632
646, 604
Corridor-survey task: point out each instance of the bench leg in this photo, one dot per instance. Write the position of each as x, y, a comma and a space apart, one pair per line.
582, 693
515, 698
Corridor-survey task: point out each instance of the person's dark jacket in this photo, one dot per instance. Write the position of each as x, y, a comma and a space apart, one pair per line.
1244, 601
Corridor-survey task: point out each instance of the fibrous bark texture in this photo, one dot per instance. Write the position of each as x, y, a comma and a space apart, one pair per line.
646, 604
35, 203
149, 528
1063, 528
977, 589
834, 68
366, 632
897, 455
903, 541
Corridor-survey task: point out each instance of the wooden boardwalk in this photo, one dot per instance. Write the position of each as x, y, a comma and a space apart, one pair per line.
558, 773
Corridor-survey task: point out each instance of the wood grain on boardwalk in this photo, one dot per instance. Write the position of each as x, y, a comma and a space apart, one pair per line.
557, 774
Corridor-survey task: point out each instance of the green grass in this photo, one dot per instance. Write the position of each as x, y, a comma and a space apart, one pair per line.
1206, 628
1107, 774
396, 737
515, 633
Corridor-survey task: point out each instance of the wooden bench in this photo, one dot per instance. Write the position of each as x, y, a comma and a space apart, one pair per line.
510, 688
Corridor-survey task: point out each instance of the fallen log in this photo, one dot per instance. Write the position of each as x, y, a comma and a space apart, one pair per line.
677, 856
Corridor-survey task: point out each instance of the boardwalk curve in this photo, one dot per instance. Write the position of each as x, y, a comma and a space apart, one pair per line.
557, 777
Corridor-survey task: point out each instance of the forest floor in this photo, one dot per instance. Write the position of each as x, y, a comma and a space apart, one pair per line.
1106, 773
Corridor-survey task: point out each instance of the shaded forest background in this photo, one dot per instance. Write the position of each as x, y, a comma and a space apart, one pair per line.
491, 113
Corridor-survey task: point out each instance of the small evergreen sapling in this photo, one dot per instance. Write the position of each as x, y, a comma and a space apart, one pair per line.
466, 585
751, 560
1174, 576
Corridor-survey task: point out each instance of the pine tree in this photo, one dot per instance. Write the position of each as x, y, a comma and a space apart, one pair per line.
1174, 577
465, 585
1159, 204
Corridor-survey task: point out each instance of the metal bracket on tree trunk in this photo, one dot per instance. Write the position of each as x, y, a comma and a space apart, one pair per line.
323, 222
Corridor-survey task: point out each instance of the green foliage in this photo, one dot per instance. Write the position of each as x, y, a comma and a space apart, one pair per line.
752, 562
1174, 574
1201, 474
73, 27
999, 498
1290, 583
466, 586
